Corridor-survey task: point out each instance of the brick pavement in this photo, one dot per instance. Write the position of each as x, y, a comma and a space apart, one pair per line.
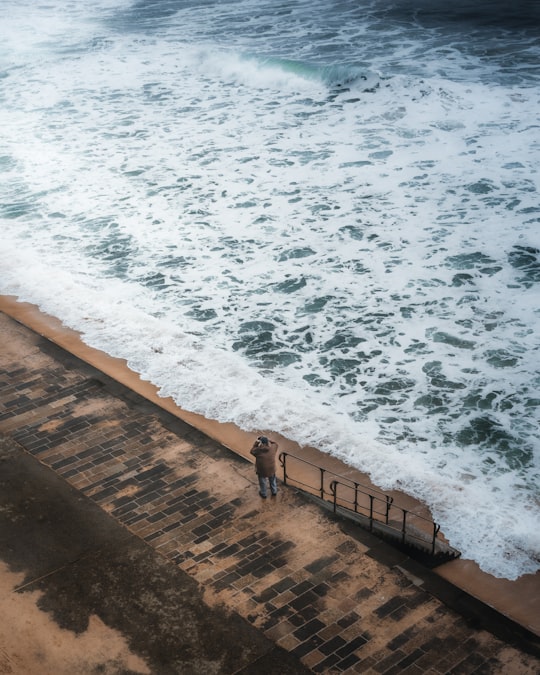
303, 578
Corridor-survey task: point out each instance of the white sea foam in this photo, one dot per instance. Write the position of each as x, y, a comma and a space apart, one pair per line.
161, 193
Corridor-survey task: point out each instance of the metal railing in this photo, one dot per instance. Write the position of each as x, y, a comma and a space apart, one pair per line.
423, 532
372, 507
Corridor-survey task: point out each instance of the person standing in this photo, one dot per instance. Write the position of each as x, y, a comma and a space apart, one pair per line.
265, 452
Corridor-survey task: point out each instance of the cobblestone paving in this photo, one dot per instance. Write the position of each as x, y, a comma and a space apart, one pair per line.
288, 568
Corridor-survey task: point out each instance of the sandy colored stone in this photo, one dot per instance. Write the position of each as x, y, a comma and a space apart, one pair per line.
29, 636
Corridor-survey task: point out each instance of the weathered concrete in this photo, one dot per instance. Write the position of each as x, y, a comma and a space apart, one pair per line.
127, 513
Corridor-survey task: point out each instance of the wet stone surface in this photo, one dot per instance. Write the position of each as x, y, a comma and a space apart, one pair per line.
118, 509
84, 564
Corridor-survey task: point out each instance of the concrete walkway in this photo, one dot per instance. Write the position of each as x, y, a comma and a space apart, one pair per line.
261, 586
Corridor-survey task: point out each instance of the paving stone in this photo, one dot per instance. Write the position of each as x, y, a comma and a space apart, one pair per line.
309, 612
352, 645
390, 606
309, 629
413, 669
348, 619
366, 665
320, 564
321, 589
288, 642
312, 658
331, 630
308, 598
307, 646
347, 662
324, 666
301, 588
332, 645
317, 602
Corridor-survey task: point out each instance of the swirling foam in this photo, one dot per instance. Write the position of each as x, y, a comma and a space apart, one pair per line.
355, 270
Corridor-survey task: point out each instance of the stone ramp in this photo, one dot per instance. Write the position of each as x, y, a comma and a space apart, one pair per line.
334, 598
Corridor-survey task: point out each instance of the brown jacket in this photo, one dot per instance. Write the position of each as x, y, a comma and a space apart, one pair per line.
265, 458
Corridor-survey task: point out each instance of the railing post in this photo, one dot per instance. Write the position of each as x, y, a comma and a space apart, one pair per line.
322, 481
333, 490
389, 501
356, 497
404, 526
436, 529
282, 459
371, 498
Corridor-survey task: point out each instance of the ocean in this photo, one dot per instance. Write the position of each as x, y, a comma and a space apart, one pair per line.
316, 218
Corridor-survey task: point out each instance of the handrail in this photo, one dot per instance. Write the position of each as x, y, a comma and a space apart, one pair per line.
323, 472
376, 514
407, 532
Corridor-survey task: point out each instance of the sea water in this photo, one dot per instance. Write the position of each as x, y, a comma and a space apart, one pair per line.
318, 218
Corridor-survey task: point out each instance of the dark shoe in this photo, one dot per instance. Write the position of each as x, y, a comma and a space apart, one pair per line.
263, 496
274, 494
